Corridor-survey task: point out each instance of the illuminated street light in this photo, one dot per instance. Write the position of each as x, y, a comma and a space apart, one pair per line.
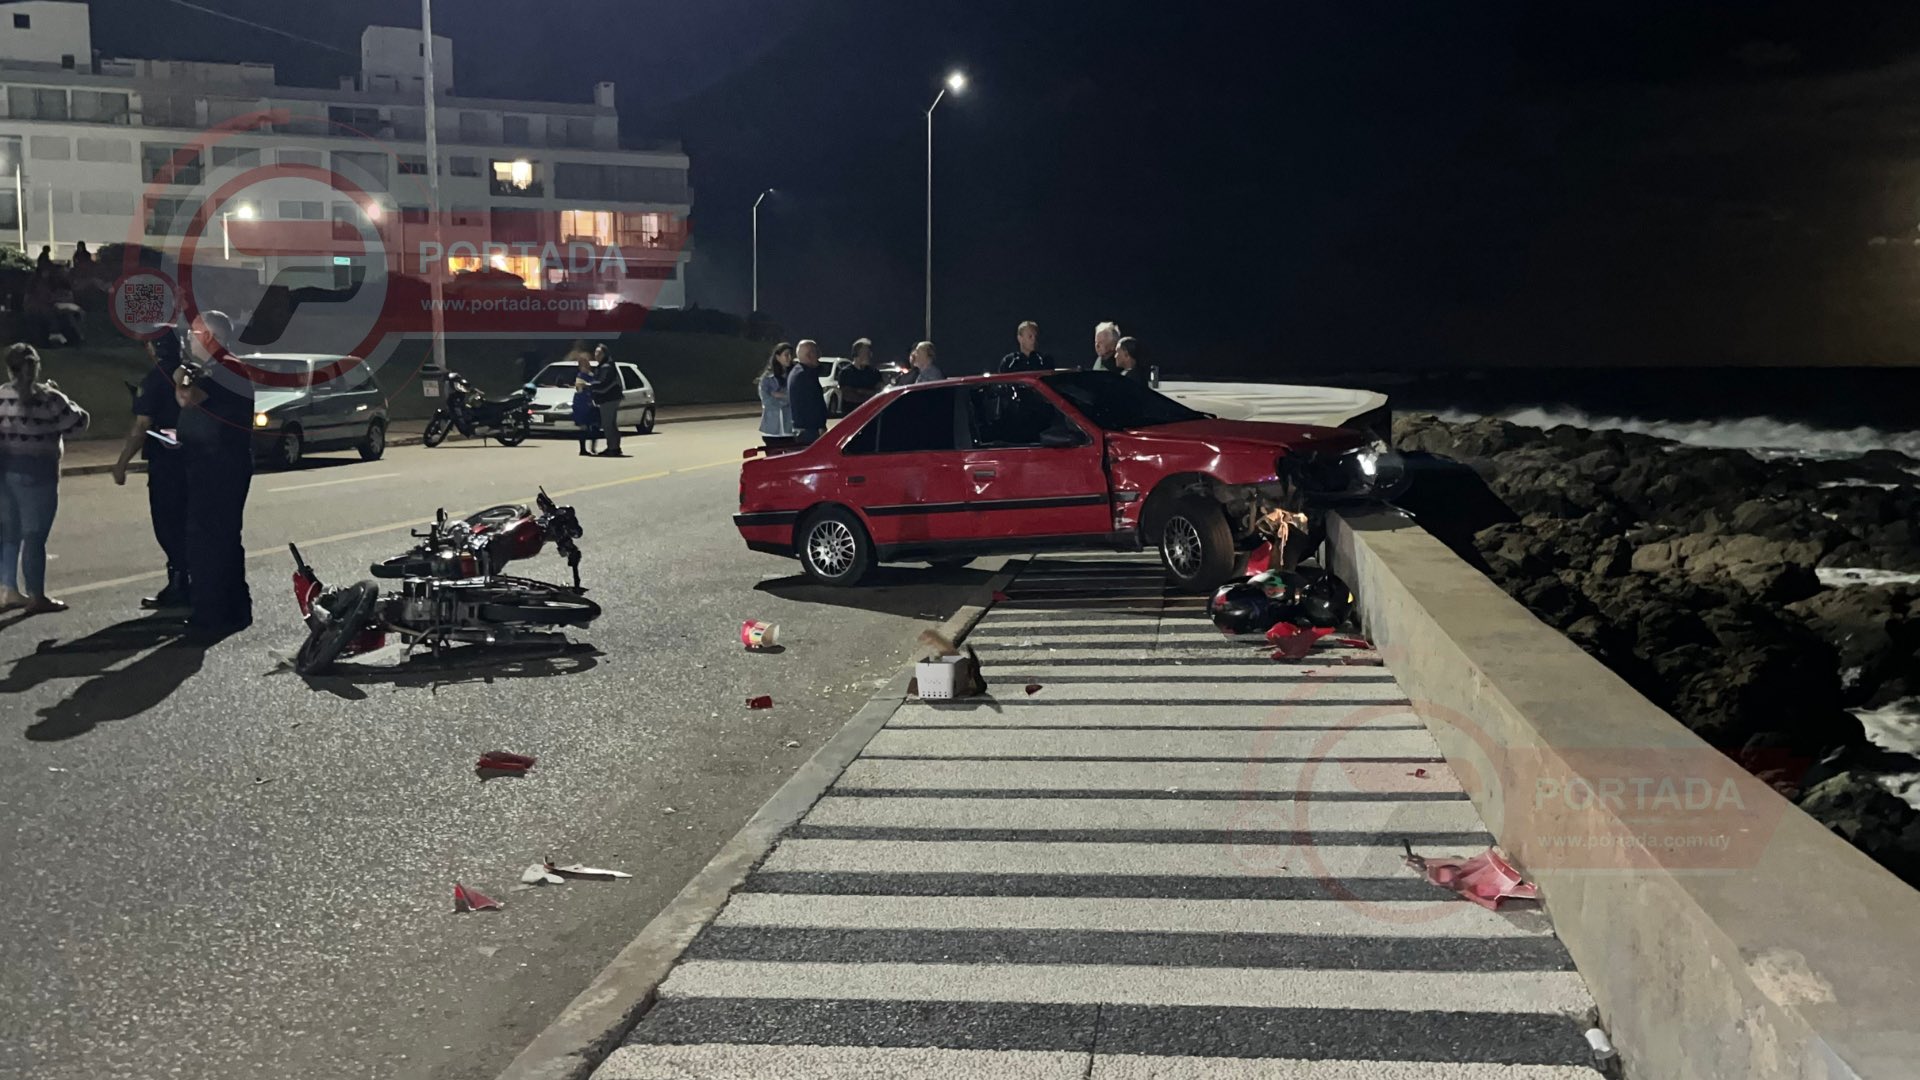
244, 212
756, 251
956, 82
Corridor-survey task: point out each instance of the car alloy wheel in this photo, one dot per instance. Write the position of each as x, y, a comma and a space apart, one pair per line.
831, 547
1181, 546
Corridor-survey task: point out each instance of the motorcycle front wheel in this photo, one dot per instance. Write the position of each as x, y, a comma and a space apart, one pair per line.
436, 431
514, 431
539, 604
347, 614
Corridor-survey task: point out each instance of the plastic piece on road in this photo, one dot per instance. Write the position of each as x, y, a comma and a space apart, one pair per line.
764, 701
1486, 879
792, 744
594, 873
1353, 643
502, 763
1033, 688
1261, 560
1418, 774
465, 899
1290, 642
1000, 597
538, 874
756, 635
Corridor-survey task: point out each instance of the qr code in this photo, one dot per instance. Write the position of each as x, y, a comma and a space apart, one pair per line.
144, 302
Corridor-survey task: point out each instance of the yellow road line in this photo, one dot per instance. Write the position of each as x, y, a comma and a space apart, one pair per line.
375, 530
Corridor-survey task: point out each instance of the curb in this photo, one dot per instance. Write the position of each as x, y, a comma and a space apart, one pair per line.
594, 1023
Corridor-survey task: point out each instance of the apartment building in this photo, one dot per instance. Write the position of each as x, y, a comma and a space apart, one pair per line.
254, 173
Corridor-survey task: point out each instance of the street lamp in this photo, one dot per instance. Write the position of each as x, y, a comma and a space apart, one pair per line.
756, 251
956, 82
245, 213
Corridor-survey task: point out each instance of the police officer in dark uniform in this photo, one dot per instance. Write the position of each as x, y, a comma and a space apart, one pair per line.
215, 394
156, 421
1028, 357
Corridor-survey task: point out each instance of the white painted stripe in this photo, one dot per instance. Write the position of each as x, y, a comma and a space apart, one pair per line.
1173, 776
1411, 818
1554, 992
1260, 714
749, 1061
1065, 649
331, 483
1277, 742
1128, 1067
1438, 918
1035, 857
1173, 696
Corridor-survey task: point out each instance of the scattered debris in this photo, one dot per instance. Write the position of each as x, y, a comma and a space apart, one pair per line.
488, 951
1353, 643
947, 673
1033, 688
258, 780
540, 874
502, 763
764, 701
1418, 774
465, 899
793, 744
56, 768
1000, 597
1486, 879
592, 873
669, 810
1603, 1051
757, 635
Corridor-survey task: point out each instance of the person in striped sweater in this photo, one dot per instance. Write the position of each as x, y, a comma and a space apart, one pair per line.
35, 418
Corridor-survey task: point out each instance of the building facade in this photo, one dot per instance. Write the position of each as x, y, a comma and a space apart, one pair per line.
286, 179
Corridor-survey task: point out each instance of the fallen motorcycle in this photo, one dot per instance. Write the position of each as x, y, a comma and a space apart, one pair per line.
468, 411
451, 589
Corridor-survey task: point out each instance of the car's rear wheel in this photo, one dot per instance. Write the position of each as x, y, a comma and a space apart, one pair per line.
834, 548
1196, 546
375, 444
645, 426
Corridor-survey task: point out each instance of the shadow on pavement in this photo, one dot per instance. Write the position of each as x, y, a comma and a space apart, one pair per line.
912, 592
1452, 502
110, 693
348, 679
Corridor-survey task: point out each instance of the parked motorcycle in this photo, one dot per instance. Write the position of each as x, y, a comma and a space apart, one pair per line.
451, 589
508, 420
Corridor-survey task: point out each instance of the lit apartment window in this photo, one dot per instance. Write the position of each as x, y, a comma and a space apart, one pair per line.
593, 225
641, 230
517, 177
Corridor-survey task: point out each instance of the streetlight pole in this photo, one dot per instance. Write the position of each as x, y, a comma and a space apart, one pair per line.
433, 187
756, 252
956, 82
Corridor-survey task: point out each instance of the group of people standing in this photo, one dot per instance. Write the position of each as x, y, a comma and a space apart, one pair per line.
597, 393
793, 406
193, 423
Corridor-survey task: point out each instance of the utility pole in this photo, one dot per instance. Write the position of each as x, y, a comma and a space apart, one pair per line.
433, 190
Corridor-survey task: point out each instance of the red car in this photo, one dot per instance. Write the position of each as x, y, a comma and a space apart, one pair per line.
950, 470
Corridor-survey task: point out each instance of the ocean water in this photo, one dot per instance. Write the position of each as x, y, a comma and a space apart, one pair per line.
1764, 436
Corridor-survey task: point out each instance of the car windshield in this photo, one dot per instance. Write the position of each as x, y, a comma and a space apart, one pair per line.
560, 375
1116, 403
281, 366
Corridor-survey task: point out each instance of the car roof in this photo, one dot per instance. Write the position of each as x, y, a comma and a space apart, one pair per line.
312, 358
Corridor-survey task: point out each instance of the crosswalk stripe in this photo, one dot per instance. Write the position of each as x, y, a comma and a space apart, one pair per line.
1043, 857
1242, 779
1140, 814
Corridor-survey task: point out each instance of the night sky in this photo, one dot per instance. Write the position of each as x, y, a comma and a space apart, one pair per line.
1260, 187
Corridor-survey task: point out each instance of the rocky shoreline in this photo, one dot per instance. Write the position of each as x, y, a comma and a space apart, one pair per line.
1762, 600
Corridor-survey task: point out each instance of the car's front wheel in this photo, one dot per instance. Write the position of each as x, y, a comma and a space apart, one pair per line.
1196, 546
290, 448
834, 548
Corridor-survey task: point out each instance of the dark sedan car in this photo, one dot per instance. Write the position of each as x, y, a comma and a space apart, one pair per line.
310, 407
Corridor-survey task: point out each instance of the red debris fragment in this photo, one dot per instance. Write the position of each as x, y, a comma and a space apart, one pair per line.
502, 763
1261, 560
465, 899
1353, 643
1486, 879
1033, 688
1418, 774
764, 701
1000, 597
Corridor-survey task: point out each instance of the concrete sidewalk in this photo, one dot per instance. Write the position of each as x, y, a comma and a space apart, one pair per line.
86, 457
1175, 858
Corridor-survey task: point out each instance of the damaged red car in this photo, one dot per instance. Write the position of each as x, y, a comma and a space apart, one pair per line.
1044, 461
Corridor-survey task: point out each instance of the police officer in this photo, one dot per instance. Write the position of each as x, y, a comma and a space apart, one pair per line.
1028, 357
156, 421
215, 394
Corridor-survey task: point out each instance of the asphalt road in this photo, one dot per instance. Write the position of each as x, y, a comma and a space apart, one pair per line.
214, 868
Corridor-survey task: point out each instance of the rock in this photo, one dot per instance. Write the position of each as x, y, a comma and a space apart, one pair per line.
1872, 630
1654, 558
1513, 553
1870, 817
1775, 583
1612, 558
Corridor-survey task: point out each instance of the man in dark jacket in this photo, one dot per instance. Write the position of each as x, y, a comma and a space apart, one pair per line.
859, 380
804, 396
215, 394
607, 393
1028, 357
153, 435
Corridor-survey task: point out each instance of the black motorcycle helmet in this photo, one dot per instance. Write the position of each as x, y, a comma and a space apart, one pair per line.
1325, 600
1241, 608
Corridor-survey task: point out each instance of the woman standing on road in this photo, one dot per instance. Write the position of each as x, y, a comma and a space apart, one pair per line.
586, 414
776, 413
607, 392
35, 417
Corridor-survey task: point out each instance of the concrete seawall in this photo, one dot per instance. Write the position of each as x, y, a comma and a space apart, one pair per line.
1723, 932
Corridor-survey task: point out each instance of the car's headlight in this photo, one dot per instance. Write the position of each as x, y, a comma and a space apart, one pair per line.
1364, 472
259, 419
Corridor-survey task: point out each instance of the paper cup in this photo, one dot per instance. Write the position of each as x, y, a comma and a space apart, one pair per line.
755, 634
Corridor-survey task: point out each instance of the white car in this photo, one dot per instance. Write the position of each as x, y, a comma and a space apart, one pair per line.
832, 366
553, 399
